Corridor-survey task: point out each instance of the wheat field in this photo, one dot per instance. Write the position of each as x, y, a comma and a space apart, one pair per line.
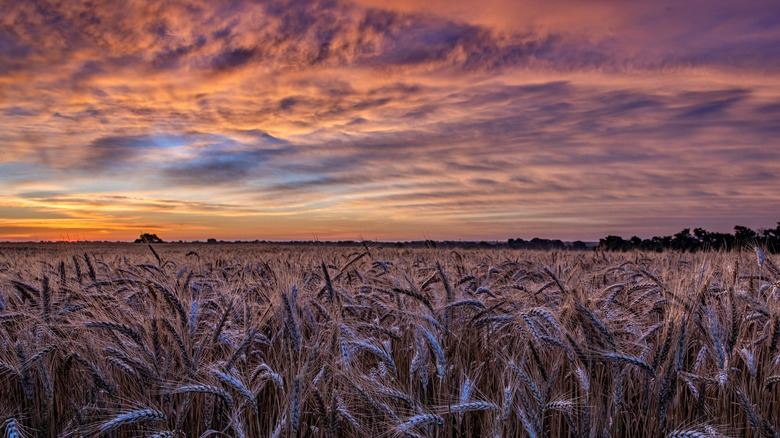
129, 340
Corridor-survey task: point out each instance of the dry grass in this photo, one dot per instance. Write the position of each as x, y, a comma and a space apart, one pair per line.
256, 341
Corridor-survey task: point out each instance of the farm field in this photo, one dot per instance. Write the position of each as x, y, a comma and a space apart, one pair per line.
236, 340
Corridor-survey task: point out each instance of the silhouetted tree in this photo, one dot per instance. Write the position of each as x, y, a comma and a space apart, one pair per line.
579, 245
613, 243
148, 238
536, 243
744, 236
771, 239
684, 241
701, 239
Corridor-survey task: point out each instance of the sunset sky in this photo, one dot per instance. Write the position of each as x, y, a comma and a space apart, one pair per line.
389, 120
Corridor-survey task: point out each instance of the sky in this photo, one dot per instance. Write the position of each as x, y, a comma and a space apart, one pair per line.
387, 120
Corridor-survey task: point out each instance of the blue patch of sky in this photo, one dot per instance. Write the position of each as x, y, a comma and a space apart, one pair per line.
13, 171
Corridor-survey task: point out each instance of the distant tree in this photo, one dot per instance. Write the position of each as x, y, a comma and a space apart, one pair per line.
148, 238
772, 239
538, 244
613, 243
704, 237
516, 243
700, 239
744, 236
775, 234
684, 241
211, 240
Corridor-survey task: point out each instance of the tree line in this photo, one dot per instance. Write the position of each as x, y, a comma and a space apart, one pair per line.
698, 240
686, 240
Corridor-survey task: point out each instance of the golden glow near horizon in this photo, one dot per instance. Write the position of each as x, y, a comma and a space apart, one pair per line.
341, 120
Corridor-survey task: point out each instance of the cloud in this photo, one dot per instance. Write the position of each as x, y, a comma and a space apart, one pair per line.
224, 160
214, 168
171, 58
233, 58
714, 107
18, 111
481, 115
115, 152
